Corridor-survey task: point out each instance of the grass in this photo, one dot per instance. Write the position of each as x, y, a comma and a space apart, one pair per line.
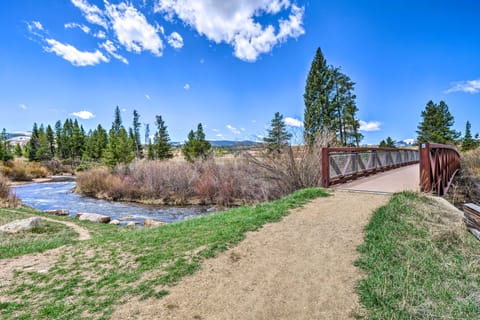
119, 264
48, 236
420, 263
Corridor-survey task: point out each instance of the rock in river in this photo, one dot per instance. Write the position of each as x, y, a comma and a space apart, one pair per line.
93, 217
153, 223
20, 225
115, 222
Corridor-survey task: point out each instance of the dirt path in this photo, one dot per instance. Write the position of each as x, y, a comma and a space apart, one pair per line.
299, 268
38, 262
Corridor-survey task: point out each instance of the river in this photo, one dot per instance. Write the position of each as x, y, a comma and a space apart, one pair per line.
59, 195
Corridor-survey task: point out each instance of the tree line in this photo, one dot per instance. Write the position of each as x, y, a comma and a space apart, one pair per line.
68, 142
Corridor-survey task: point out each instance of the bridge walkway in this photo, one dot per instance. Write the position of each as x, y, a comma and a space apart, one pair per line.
401, 179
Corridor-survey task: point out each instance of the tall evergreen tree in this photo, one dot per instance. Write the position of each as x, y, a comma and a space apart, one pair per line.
162, 147
278, 137
51, 141
58, 139
388, 143
137, 144
119, 146
468, 142
318, 111
18, 151
436, 124
196, 147
330, 106
5, 152
33, 144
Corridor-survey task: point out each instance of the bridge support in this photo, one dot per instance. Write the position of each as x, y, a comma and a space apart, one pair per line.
438, 165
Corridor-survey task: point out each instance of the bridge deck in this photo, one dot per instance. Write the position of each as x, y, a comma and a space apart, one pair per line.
402, 179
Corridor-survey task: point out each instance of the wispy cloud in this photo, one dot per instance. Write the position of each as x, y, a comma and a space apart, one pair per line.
83, 115
147, 96
292, 122
186, 86
233, 129
72, 25
22, 106
369, 126
469, 86
175, 40
73, 55
112, 50
92, 13
236, 22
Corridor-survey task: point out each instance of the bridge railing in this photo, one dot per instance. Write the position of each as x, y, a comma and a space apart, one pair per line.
343, 164
438, 165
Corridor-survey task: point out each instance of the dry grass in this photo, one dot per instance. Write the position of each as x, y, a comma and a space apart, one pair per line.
466, 186
229, 182
21, 170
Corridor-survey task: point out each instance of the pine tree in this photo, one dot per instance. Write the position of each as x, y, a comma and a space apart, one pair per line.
119, 147
468, 142
162, 147
18, 151
58, 139
5, 152
137, 144
388, 143
318, 111
43, 150
330, 106
196, 146
51, 141
33, 144
436, 124
278, 136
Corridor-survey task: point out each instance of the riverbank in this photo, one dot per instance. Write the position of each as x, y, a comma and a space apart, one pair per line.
90, 278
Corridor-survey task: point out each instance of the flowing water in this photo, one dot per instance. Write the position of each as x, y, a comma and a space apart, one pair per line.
59, 195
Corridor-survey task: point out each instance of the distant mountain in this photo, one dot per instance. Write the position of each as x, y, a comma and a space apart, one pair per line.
405, 143
19, 137
223, 143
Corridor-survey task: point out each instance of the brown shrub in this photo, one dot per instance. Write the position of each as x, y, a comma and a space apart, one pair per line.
93, 182
4, 188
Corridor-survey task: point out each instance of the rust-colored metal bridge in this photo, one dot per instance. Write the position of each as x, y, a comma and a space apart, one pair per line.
430, 168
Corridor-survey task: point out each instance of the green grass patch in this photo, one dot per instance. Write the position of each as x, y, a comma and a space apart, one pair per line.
48, 235
420, 263
92, 276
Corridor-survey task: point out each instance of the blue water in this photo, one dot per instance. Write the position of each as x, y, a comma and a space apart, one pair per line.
59, 195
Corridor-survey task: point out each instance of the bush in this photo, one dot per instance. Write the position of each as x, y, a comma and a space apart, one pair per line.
234, 181
4, 188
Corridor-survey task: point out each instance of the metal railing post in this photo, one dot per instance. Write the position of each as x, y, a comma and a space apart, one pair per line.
425, 169
325, 168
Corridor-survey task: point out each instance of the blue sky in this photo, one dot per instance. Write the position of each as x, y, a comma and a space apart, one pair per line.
232, 64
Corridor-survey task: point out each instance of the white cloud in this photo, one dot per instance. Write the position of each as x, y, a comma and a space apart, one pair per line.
202, 61
92, 13
72, 25
186, 86
37, 25
133, 30
112, 50
100, 34
124, 110
83, 115
147, 96
233, 129
73, 55
469, 86
369, 126
236, 22
292, 122
221, 136
215, 130
175, 40
22, 106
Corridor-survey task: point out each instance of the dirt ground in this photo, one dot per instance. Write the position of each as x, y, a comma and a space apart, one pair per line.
299, 268
38, 262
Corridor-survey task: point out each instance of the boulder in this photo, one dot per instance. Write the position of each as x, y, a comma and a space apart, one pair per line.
115, 222
132, 224
152, 223
58, 212
93, 217
125, 218
20, 225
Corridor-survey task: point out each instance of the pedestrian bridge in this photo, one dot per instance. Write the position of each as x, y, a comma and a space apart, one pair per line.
430, 168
